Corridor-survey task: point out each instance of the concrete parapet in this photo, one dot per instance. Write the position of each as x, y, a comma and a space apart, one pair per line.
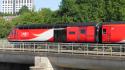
42, 63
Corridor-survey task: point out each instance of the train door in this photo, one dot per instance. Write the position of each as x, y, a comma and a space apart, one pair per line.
90, 34
106, 33
59, 35
13, 35
16, 35
82, 34
72, 34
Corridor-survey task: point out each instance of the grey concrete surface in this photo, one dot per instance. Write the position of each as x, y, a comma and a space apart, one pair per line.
66, 60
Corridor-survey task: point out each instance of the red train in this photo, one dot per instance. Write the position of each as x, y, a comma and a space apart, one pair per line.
109, 32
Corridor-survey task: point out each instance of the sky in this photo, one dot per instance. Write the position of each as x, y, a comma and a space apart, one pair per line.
52, 4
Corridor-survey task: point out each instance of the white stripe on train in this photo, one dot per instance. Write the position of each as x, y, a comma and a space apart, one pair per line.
44, 36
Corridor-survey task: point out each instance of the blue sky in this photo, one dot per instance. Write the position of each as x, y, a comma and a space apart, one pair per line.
52, 4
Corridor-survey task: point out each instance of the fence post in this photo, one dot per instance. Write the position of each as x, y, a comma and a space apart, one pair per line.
87, 49
83, 49
103, 49
34, 48
3, 45
20, 46
72, 48
58, 48
111, 49
23, 47
12, 47
47, 47
120, 50
97, 49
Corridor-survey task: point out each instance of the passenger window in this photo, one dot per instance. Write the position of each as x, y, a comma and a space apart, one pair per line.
104, 31
82, 31
71, 32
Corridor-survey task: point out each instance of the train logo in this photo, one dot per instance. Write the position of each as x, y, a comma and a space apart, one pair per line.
25, 34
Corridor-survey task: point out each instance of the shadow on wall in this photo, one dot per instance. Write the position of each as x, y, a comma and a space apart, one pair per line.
13, 66
60, 68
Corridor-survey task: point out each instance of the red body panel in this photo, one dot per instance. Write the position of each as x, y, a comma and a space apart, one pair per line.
81, 34
28, 35
90, 35
115, 33
106, 34
12, 36
72, 34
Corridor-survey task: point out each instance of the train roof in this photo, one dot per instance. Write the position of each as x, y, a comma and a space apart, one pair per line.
118, 22
36, 26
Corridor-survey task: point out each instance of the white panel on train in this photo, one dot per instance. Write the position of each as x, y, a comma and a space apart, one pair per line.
45, 36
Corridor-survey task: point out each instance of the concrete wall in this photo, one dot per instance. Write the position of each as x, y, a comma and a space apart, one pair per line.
67, 60
14, 66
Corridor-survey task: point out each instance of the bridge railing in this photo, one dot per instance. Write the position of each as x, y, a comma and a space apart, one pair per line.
69, 48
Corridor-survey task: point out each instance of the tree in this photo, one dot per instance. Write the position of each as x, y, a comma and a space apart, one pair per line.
81, 10
68, 7
45, 15
24, 9
4, 28
69, 10
93, 10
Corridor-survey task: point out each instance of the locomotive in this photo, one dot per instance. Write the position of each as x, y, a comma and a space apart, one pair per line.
107, 32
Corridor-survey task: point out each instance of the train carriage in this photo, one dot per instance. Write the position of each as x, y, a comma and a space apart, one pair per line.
108, 32
80, 32
113, 32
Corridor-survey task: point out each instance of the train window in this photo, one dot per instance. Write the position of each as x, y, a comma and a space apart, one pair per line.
13, 32
82, 31
104, 31
71, 32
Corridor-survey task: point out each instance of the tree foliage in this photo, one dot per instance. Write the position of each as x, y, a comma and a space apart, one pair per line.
45, 15
24, 9
4, 28
93, 10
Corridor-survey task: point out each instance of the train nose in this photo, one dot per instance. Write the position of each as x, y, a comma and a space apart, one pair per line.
9, 37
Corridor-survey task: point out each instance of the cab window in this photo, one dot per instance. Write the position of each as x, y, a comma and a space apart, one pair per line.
71, 32
82, 31
104, 31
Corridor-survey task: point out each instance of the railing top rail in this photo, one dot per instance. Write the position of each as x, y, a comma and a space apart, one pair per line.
79, 48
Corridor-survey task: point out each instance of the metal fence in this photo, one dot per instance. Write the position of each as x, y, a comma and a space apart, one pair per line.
69, 48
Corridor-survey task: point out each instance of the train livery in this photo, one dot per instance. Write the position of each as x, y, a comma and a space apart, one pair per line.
107, 32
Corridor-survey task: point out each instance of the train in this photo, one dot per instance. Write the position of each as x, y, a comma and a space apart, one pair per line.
89, 32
